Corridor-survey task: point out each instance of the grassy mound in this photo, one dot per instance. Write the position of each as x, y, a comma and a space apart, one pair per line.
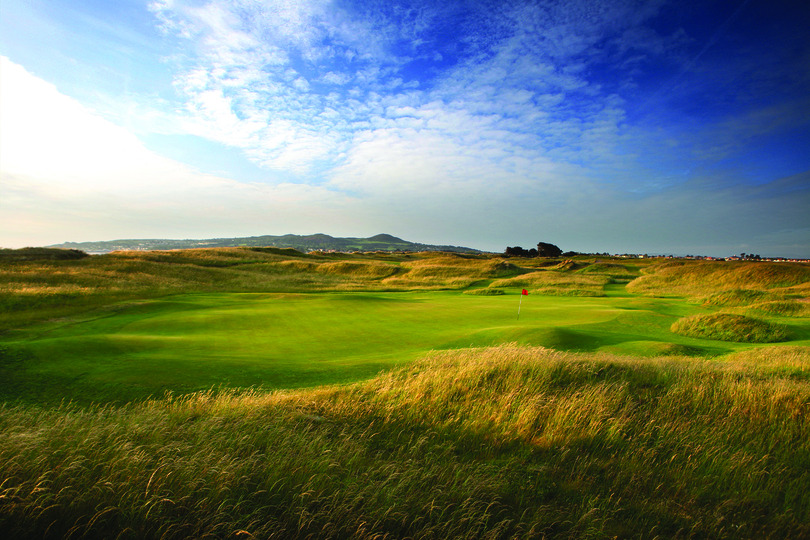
784, 308
290, 267
728, 327
652, 348
616, 273
702, 279
737, 297
496, 443
40, 254
486, 292
556, 283
446, 266
568, 265
447, 271
619, 271
287, 252
360, 269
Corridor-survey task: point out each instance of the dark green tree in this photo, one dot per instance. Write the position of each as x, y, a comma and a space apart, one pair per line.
516, 251
548, 250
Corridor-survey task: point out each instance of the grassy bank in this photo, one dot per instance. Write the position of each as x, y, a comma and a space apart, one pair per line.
724, 283
480, 443
130, 325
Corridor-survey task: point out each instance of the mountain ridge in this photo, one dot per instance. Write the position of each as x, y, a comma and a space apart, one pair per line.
312, 242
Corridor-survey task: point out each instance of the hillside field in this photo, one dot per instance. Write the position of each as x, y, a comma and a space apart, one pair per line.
266, 392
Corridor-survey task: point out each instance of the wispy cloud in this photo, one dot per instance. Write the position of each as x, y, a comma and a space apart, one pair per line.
99, 180
419, 113
312, 87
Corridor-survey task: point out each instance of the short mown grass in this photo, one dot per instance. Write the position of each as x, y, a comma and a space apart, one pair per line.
184, 343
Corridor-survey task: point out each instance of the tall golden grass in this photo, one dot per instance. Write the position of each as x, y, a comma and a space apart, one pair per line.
505, 442
256, 269
730, 327
703, 279
558, 283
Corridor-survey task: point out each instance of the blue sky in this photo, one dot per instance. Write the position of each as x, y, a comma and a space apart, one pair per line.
616, 125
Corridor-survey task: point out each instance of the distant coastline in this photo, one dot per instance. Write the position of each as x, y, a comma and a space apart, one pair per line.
304, 243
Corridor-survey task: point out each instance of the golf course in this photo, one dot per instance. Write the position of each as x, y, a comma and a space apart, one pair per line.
269, 393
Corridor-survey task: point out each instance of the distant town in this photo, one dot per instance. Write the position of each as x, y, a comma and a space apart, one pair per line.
545, 249
740, 257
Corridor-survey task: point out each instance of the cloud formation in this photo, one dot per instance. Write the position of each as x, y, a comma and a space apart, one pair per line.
67, 170
486, 123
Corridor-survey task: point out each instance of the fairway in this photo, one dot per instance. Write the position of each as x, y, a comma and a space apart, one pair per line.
193, 342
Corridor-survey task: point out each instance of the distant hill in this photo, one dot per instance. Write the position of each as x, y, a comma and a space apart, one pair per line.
324, 242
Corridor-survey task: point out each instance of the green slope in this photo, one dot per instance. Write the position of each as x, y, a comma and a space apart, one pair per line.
192, 342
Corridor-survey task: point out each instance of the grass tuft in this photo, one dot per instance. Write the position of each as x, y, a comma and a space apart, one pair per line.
729, 327
286, 252
784, 308
40, 254
485, 292
738, 297
703, 279
360, 269
557, 283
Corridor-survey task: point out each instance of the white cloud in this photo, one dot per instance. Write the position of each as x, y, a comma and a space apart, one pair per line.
256, 76
336, 78
498, 121
68, 174
47, 135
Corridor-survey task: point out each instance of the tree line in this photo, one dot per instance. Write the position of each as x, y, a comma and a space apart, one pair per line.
543, 249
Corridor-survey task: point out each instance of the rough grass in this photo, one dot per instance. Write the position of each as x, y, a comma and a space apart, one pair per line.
653, 348
730, 327
455, 267
782, 361
557, 283
486, 292
363, 269
40, 254
785, 308
614, 270
496, 443
703, 279
738, 297
504, 442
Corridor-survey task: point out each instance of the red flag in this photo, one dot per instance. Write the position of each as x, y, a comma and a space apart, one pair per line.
523, 292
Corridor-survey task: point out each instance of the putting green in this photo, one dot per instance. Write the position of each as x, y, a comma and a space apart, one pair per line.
198, 341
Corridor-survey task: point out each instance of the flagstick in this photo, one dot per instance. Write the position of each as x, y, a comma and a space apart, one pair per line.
519, 303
